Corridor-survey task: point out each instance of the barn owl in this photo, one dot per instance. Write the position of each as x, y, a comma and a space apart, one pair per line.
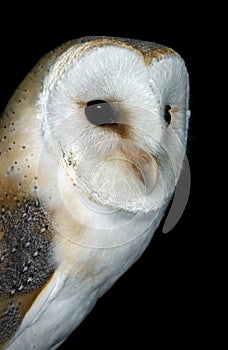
91, 149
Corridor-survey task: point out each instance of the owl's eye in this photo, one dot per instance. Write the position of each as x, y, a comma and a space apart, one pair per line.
167, 114
99, 112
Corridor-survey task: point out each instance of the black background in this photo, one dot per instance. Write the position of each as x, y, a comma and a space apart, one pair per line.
161, 300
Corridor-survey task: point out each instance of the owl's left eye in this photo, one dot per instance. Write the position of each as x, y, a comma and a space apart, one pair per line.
99, 112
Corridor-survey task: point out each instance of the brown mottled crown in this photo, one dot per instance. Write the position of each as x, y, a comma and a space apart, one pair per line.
149, 50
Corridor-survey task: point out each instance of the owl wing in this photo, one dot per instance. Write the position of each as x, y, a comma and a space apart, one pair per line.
38, 319
27, 270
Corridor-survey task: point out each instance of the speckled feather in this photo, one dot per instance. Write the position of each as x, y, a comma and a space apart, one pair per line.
23, 218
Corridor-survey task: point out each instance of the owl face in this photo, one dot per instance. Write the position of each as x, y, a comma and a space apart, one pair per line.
117, 121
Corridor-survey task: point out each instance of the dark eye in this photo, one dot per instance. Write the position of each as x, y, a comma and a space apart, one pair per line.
167, 114
99, 112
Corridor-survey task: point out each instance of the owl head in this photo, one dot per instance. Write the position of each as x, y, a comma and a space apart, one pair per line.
115, 113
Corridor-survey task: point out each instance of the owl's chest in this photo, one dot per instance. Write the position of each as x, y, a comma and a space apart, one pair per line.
59, 251
82, 273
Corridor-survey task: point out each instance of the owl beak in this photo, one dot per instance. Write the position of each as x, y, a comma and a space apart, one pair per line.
149, 173
144, 165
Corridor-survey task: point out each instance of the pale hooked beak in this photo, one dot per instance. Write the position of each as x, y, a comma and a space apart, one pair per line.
144, 165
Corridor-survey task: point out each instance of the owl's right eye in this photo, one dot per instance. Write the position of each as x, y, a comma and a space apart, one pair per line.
167, 114
99, 112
